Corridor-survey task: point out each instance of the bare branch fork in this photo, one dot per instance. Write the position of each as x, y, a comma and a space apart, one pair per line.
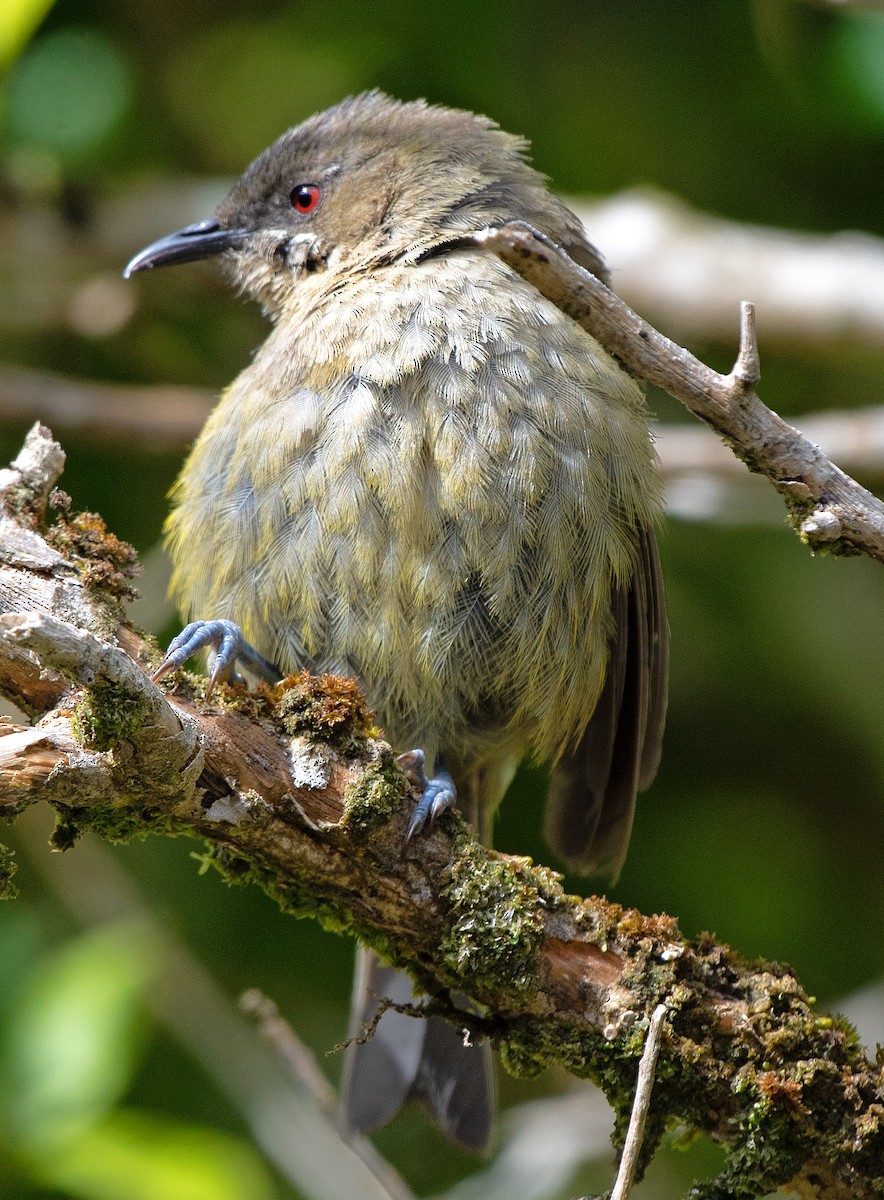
293, 791
829, 510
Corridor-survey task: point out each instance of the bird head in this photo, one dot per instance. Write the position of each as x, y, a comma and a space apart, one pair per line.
369, 182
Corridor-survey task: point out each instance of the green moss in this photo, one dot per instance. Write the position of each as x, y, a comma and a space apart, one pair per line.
371, 800
496, 927
533, 1045
65, 833
297, 897
106, 716
840, 547
8, 890
113, 823
768, 1147
648, 978
799, 509
21, 503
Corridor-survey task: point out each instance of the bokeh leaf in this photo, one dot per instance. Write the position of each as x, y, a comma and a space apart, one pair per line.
68, 92
132, 1155
18, 20
72, 1035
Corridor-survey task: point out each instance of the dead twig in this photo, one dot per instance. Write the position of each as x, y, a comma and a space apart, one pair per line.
635, 1134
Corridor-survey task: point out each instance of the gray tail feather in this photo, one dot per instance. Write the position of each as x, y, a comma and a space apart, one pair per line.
409, 1059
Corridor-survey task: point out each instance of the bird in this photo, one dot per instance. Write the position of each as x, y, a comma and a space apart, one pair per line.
433, 480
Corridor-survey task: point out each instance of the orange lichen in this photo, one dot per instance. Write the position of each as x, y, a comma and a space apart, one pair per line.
778, 1090
327, 707
105, 561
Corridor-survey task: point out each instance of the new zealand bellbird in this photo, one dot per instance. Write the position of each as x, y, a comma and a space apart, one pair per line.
433, 480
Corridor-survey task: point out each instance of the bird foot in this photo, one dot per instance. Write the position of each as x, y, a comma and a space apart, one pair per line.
437, 795
225, 641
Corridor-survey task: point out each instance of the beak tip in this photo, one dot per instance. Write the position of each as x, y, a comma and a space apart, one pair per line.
141, 262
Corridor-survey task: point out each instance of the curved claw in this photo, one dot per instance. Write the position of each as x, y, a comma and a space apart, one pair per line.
436, 795
225, 639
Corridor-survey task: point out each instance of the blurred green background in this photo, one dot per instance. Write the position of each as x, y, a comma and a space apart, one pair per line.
120, 121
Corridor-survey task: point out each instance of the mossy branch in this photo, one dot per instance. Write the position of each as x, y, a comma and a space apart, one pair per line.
291, 789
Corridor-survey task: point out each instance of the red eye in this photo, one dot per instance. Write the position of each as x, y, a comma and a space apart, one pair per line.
305, 197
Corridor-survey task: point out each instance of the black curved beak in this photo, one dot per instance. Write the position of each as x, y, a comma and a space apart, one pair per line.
187, 245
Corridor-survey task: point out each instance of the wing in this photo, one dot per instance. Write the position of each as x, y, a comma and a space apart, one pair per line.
585, 255
592, 790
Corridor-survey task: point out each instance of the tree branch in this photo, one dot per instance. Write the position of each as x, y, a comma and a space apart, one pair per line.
829, 510
291, 789
157, 417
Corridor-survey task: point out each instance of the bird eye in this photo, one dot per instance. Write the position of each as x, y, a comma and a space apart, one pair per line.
305, 197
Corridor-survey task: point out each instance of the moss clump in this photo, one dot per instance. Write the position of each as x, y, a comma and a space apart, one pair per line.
8, 890
110, 822
537, 1043
328, 708
533, 1045
376, 796
106, 716
234, 695
65, 833
295, 897
765, 1151
103, 559
496, 928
